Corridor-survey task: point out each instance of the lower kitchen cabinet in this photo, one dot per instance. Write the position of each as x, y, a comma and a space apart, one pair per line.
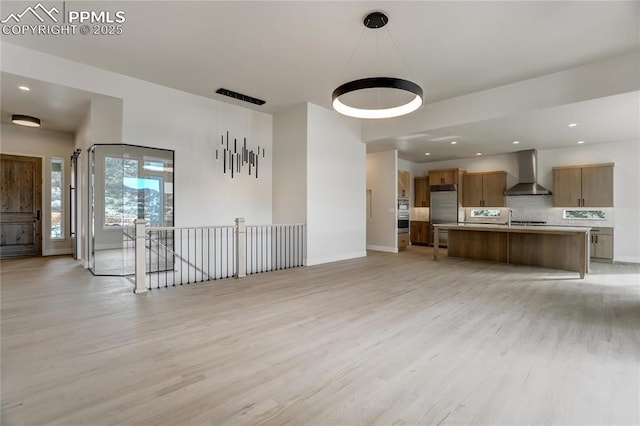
419, 232
403, 241
601, 246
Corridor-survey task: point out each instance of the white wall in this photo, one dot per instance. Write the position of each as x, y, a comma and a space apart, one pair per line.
626, 199
290, 165
336, 177
160, 117
192, 126
33, 142
105, 121
382, 181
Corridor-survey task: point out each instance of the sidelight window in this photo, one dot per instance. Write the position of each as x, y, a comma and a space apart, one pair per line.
57, 199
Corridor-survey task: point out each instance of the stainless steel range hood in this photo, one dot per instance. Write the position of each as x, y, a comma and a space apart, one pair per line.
528, 185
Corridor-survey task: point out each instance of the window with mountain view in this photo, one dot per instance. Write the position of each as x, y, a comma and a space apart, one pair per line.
131, 193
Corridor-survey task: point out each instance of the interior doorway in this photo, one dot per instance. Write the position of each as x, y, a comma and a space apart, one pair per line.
21, 206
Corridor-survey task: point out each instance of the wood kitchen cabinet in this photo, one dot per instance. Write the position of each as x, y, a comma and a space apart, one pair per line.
448, 176
445, 176
601, 244
484, 189
404, 185
403, 241
583, 186
421, 191
419, 232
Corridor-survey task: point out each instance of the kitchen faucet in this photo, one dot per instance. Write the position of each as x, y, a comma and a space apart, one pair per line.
510, 217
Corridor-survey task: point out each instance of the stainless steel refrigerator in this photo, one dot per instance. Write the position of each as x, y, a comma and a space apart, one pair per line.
443, 208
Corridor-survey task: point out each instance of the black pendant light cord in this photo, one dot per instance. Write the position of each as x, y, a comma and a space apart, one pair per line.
355, 49
400, 53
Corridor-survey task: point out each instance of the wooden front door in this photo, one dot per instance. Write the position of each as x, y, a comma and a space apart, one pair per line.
21, 206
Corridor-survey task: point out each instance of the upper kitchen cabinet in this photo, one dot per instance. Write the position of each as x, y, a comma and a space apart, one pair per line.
421, 191
583, 186
404, 185
445, 176
484, 189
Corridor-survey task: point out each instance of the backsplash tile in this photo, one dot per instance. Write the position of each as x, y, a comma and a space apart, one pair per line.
540, 207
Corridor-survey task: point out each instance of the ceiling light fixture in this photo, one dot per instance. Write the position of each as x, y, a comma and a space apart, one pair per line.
25, 120
240, 96
427, 153
573, 125
580, 142
25, 88
454, 142
516, 142
478, 153
377, 20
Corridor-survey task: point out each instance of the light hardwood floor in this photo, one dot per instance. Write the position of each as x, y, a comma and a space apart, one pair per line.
387, 339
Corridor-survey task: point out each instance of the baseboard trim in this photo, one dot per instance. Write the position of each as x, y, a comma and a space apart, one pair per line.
320, 261
627, 260
382, 248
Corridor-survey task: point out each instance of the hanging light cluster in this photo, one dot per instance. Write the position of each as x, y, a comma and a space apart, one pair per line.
235, 158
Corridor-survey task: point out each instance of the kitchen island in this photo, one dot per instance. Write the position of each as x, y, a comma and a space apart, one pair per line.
555, 247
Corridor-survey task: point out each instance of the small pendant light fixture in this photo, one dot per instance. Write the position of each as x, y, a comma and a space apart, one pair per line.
377, 20
25, 120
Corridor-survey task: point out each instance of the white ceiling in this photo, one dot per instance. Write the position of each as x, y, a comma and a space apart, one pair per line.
59, 108
609, 119
293, 52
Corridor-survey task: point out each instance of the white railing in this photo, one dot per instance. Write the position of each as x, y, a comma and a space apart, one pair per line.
170, 256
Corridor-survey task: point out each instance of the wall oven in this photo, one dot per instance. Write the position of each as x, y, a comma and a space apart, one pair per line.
403, 215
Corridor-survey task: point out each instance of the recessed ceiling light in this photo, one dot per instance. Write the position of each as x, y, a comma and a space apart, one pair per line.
25, 88
478, 153
427, 153
573, 125
516, 142
454, 142
580, 142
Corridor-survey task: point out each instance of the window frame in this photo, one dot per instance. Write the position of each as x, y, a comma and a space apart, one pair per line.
62, 233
